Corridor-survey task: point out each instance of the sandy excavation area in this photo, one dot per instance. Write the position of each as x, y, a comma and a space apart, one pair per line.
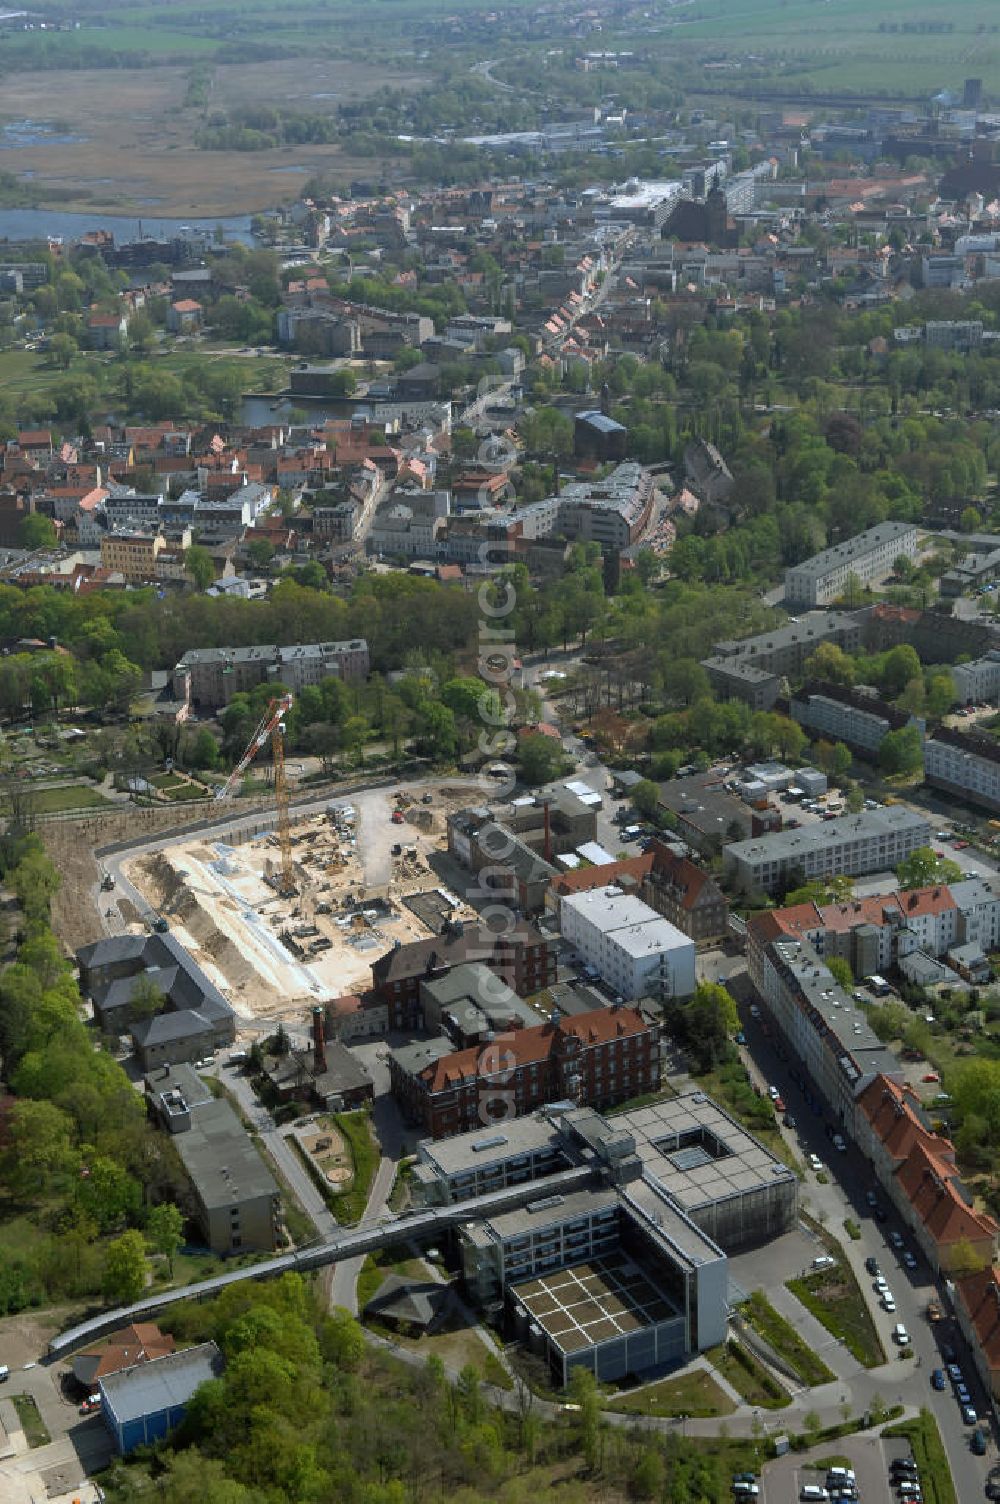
275, 957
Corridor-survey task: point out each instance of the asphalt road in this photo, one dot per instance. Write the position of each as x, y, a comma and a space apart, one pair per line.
902, 1381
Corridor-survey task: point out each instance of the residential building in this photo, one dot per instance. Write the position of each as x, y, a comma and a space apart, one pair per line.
520, 956
210, 677
663, 877
976, 1302
684, 893
966, 764
236, 1201
633, 949
595, 1059
875, 841
822, 1027
184, 316
876, 932
142, 1405
978, 680
870, 556
132, 554
916, 1168
854, 715
785, 650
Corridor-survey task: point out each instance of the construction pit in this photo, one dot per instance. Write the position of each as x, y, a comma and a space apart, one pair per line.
354, 866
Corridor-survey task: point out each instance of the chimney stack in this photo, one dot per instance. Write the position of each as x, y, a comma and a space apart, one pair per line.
319, 1042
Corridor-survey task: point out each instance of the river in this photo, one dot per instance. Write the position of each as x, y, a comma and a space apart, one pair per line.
40, 224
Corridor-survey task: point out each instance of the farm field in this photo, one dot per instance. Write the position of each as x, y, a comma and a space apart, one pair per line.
848, 45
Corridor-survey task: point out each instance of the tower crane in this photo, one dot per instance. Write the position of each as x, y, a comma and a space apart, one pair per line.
271, 729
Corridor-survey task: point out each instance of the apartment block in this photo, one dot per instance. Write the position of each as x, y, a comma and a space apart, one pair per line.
132, 554
851, 715
966, 764
870, 556
978, 680
855, 844
819, 1022
917, 1170
210, 677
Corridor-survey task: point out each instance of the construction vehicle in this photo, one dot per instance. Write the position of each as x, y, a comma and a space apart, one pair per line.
933, 1310
107, 882
271, 729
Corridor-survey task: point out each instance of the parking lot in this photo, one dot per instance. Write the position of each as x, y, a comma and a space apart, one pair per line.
868, 1456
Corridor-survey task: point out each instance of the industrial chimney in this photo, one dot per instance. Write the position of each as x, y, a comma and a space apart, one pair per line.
319, 1042
547, 850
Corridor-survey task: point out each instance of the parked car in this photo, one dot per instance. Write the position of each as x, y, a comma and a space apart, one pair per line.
896, 1239
871, 1265
978, 1442
908, 1260
815, 1163
839, 1143
90, 1404
969, 1416
937, 1379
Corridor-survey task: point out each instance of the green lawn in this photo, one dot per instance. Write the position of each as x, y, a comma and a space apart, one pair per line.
748, 1375
782, 1336
32, 1425
356, 1128
68, 796
834, 1298
695, 1394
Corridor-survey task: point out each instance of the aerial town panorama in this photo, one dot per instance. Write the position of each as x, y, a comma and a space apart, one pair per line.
499, 752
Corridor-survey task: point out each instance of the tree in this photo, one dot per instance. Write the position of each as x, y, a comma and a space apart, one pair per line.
205, 750
125, 1268
841, 971
923, 868
147, 999
165, 1231
902, 751
540, 758
646, 797
198, 565
899, 666
39, 1145
37, 531
830, 662
62, 348
35, 881
260, 552
965, 1259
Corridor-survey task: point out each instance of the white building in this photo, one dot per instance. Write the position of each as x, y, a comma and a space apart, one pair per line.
966, 764
635, 951
870, 556
978, 680
854, 844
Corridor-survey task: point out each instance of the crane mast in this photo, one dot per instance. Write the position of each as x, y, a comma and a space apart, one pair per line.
271, 728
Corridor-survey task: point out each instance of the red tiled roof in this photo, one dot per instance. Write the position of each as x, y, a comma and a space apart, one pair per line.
980, 1295
528, 1046
583, 879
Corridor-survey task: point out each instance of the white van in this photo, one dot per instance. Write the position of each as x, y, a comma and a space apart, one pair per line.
4, 1373
835, 1476
813, 1493
744, 1490
900, 1334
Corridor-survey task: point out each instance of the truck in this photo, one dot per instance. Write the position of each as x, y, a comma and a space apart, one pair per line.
933, 1310
107, 883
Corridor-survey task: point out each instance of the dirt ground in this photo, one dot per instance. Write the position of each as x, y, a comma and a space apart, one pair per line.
275, 957
138, 155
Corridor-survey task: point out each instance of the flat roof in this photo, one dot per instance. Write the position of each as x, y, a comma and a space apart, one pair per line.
467, 1151
846, 1024
789, 843
593, 1302
724, 1159
557, 1208
222, 1160
852, 548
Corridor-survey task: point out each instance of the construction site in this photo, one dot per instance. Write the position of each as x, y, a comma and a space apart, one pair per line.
295, 915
